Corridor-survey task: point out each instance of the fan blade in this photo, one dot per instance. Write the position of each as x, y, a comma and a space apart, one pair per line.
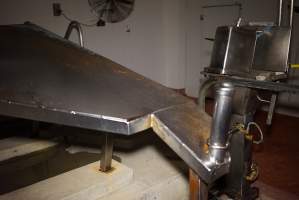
112, 10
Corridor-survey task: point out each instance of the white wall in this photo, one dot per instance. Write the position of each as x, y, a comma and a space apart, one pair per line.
259, 10
154, 47
193, 43
174, 27
252, 10
165, 38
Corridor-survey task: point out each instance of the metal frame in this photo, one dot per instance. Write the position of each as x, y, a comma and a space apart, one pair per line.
255, 84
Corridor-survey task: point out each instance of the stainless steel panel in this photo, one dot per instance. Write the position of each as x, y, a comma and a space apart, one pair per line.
47, 78
250, 51
186, 131
233, 51
272, 50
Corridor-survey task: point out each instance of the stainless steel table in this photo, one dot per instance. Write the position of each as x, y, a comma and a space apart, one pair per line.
46, 78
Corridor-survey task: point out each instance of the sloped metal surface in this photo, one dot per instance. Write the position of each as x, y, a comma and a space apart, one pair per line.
47, 78
55, 80
186, 131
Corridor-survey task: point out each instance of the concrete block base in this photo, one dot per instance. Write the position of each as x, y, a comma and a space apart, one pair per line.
83, 183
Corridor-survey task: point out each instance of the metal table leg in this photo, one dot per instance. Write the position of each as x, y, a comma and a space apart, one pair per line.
203, 190
198, 189
193, 185
271, 109
35, 128
107, 152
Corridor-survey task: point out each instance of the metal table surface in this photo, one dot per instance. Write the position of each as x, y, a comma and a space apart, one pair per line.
46, 78
55, 80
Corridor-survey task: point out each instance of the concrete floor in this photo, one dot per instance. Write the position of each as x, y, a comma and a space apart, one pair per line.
83, 183
158, 172
278, 156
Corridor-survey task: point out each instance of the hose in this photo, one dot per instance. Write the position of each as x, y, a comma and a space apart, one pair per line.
260, 131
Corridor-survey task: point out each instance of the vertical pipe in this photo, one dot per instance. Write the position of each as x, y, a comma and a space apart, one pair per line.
221, 122
279, 18
291, 34
291, 14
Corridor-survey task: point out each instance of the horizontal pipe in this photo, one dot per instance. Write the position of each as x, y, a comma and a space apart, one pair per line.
279, 13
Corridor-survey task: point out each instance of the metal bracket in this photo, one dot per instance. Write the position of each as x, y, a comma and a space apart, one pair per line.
271, 109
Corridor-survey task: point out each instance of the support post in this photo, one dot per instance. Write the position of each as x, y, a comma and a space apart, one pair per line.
107, 152
198, 189
35, 128
271, 109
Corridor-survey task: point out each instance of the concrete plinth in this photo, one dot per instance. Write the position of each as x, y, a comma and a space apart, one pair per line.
84, 183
